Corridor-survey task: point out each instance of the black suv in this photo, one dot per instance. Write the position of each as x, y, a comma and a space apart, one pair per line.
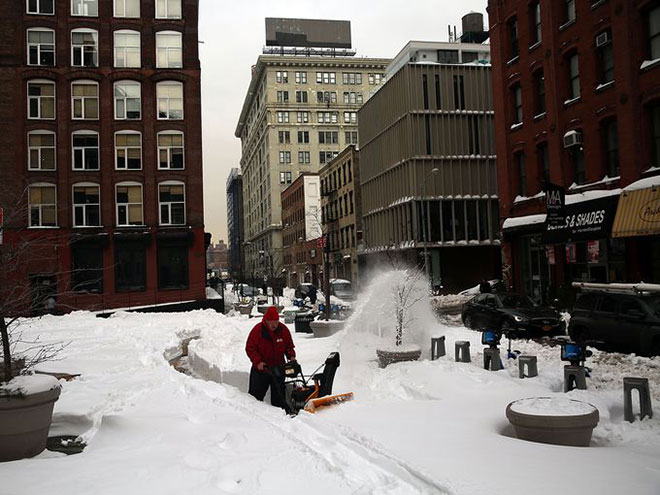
628, 322
513, 313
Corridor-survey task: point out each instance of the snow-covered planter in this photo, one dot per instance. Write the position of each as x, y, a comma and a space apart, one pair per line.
325, 328
555, 420
398, 355
26, 410
263, 307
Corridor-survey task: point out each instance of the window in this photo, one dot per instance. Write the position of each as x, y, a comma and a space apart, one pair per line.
301, 96
351, 78
516, 93
327, 156
539, 93
535, 22
86, 267
328, 137
282, 117
610, 147
302, 117
170, 150
169, 49
605, 57
574, 76
41, 99
129, 204
282, 97
172, 203
282, 76
89, 8
285, 177
172, 265
42, 205
84, 100
41, 47
474, 147
459, 93
127, 48
169, 95
285, 157
130, 265
655, 133
303, 137
512, 28
569, 11
127, 8
301, 77
327, 117
351, 137
654, 32
303, 157
41, 150
543, 161
41, 7
128, 100
425, 91
448, 56
128, 150
86, 205
522, 174
577, 158
352, 98
84, 48
284, 137
326, 97
374, 78
467, 57
326, 78
168, 9
85, 154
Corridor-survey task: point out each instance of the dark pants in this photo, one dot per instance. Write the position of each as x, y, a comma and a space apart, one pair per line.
259, 383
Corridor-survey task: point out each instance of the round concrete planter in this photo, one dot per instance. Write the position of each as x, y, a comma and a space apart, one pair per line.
555, 420
325, 328
387, 357
24, 423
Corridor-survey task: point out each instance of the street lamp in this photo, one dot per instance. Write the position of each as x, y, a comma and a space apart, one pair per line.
423, 187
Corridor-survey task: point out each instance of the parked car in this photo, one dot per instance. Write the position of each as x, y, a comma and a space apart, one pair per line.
302, 291
508, 312
342, 289
625, 321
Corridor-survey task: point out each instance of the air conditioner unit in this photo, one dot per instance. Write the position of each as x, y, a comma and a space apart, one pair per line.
572, 138
603, 39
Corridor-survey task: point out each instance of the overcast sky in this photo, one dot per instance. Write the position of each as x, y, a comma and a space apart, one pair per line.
233, 36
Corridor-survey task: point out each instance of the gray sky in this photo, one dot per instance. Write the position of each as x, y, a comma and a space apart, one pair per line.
233, 36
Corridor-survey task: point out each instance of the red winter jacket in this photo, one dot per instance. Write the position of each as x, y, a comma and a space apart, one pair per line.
269, 347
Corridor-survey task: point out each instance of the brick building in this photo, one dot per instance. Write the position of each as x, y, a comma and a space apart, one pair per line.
101, 151
577, 104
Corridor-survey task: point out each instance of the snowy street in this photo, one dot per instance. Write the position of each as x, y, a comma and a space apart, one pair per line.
423, 427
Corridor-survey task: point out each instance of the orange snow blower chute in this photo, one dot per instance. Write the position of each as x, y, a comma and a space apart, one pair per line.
299, 394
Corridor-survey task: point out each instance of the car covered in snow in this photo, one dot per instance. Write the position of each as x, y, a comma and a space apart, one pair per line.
342, 289
516, 314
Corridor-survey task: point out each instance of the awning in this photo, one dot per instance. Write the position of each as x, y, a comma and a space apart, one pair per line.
584, 221
638, 213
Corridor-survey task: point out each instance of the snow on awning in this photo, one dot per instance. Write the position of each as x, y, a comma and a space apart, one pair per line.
517, 222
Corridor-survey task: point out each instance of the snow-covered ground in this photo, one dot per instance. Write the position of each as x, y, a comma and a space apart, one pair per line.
414, 428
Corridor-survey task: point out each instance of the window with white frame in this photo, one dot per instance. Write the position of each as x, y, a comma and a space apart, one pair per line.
170, 150
327, 117
41, 150
128, 150
284, 137
326, 97
285, 157
352, 97
127, 48
128, 199
328, 137
88, 8
41, 47
169, 50
41, 7
84, 100
326, 77
302, 117
374, 78
172, 203
128, 100
282, 97
351, 77
286, 177
327, 156
350, 117
301, 77
301, 96
168, 9
303, 157
85, 145
303, 137
282, 117
86, 205
84, 48
42, 205
282, 76
169, 95
351, 137
41, 99
127, 8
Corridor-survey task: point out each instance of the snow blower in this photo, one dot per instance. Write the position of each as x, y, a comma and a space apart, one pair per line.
299, 393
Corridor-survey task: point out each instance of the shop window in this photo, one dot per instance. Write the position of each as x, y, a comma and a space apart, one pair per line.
172, 265
86, 268
130, 266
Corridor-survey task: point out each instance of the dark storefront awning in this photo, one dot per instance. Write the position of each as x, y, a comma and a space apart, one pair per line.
584, 221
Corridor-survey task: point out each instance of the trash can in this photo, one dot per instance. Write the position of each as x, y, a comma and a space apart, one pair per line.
302, 322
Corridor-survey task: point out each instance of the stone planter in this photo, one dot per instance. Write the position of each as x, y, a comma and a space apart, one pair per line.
555, 420
325, 328
25, 419
387, 357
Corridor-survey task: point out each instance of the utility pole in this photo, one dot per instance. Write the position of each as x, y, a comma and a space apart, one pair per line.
326, 290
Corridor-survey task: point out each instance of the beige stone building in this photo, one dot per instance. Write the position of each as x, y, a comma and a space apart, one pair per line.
300, 111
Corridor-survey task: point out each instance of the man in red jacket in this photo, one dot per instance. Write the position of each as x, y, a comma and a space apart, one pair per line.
267, 345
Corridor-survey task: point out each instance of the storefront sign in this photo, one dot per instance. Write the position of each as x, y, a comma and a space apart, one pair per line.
554, 204
586, 220
593, 251
638, 213
570, 252
550, 253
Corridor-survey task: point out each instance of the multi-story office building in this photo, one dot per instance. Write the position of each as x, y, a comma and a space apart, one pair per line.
299, 112
341, 213
301, 219
428, 167
101, 158
577, 104
235, 224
